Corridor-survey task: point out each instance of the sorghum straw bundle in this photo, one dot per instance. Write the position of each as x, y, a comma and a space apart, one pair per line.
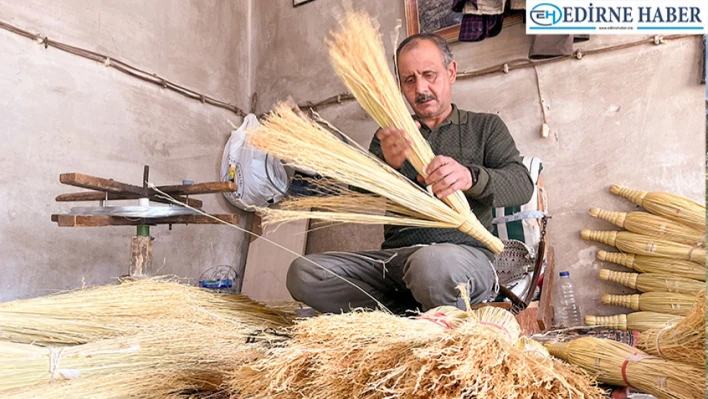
378, 355
671, 206
651, 264
620, 364
646, 245
180, 347
652, 282
135, 385
661, 302
685, 342
358, 57
85, 315
637, 321
304, 143
651, 225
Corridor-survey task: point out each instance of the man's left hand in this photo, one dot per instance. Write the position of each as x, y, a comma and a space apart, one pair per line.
446, 176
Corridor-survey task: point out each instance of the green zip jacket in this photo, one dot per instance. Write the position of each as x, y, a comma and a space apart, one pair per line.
478, 141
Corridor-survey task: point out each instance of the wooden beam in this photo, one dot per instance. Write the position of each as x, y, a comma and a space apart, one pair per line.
105, 220
98, 196
100, 184
200, 188
545, 306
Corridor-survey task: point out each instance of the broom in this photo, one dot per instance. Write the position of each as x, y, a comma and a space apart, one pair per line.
644, 245
168, 345
651, 282
637, 321
616, 363
377, 355
85, 315
358, 57
651, 264
652, 225
671, 206
660, 302
685, 342
306, 144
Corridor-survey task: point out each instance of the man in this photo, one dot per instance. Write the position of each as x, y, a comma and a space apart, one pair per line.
420, 268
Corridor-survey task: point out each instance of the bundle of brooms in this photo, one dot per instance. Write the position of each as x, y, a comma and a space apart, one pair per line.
377, 355
85, 315
192, 356
685, 342
358, 57
620, 364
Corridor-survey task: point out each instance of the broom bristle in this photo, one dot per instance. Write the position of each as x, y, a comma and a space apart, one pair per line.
651, 264
651, 225
661, 302
304, 143
645, 245
616, 363
652, 282
685, 342
672, 206
638, 321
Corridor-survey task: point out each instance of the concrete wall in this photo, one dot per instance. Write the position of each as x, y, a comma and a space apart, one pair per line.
61, 113
633, 117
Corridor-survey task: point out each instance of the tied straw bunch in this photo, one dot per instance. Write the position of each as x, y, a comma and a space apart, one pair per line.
358, 57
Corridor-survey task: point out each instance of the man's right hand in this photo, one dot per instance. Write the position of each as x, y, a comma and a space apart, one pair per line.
394, 145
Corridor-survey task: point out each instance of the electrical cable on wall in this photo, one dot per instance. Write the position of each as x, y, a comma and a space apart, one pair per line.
130, 70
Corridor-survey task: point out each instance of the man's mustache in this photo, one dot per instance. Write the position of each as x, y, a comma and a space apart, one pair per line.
424, 97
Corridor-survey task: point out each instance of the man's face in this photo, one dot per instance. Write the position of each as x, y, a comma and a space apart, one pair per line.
425, 81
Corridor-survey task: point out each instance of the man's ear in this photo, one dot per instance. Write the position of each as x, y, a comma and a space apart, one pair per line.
452, 71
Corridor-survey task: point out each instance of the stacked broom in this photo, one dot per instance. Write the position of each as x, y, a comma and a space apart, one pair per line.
666, 245
146, 339
667, 248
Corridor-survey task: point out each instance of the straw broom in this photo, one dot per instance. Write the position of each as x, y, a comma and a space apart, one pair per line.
644, 245
652, 225
651, 264
135, 385
377, 355
637, 321
671, 206
685, 342
85, 315
179, 347
660, 302
651, 282
616, 363
304, 143
358, 57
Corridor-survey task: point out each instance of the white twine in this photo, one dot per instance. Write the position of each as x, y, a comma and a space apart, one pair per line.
55, 371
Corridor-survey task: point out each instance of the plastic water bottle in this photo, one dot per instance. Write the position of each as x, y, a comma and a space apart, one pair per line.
569, 311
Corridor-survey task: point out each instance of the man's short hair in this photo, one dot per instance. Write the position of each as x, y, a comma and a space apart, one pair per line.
439, 41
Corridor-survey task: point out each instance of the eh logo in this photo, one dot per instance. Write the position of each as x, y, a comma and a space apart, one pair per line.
546, 14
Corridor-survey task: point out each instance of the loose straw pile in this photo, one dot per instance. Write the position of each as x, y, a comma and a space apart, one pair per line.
620, 364
377, 355
86, 315
685, 342
304, 143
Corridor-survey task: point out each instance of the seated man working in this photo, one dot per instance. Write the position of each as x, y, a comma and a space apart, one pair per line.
419, 268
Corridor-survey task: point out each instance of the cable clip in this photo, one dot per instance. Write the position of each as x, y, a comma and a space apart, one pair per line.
505, 68
658, 40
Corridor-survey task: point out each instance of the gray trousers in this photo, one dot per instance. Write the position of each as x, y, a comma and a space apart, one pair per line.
420, 277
